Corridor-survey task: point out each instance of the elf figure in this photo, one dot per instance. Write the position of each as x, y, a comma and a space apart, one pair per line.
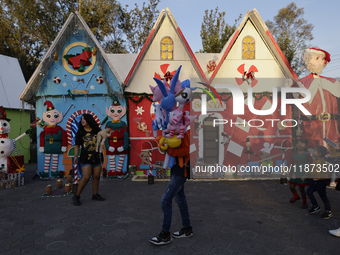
118, 142
323, 103
53, 140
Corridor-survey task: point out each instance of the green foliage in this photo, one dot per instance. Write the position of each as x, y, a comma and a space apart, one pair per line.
215, 32
29, 27
139, 24
291, 32
106, 19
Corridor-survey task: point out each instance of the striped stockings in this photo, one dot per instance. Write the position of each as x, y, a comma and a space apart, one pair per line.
119, 165
55, 158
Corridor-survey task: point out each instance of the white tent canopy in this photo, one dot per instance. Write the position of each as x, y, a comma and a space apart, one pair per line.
12, 82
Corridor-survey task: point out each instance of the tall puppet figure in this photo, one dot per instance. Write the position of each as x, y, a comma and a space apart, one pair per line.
118, 142
53, 140
323, 104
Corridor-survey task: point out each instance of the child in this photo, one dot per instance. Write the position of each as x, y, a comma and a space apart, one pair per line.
300, 158
319, 183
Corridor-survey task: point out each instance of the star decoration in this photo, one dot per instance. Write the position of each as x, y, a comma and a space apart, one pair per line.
92, 87
64, 84
139, 110
74, 78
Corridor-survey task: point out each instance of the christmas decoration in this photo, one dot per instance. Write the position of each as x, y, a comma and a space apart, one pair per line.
118, 142
53, 140
69, 108
65, 75
89, 80
247, 76
139, 110
211, 66
323, 103
7, 146
100, 80
55, 57
70, 94
167, 75
79, 61
56, 80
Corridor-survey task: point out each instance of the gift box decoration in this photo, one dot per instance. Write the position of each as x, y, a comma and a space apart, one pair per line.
15, 164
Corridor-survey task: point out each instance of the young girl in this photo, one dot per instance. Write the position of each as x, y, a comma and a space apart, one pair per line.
90, 160
300, 158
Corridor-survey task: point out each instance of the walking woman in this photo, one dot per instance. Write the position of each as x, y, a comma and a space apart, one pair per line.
90, 160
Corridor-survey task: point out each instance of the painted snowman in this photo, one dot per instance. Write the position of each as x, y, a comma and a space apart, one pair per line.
6, 144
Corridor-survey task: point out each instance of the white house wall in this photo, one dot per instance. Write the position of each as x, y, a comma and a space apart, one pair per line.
264, 61
151, 63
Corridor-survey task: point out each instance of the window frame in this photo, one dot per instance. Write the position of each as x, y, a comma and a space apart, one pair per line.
248, 50
167, 50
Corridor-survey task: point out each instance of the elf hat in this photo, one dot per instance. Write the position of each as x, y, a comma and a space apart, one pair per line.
318, 50
115, 101
3, 114
50, 106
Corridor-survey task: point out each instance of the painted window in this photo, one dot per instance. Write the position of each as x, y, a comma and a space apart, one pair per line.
167, 48
248, 48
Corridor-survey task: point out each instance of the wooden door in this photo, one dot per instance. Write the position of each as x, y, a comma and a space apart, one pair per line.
210, 141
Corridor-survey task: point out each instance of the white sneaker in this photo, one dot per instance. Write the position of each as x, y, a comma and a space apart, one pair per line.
335, 232
332, 184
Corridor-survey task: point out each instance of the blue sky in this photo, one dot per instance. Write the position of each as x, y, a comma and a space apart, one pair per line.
324, 15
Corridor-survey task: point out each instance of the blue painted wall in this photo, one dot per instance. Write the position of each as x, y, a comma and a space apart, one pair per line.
59, 96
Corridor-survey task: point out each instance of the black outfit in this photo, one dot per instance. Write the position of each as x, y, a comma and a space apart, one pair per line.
88, 142
320, 187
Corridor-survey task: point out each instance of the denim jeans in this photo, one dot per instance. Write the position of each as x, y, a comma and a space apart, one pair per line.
320, 187
175, 189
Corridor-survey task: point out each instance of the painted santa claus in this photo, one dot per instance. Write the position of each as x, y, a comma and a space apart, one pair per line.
323, 104
53, 140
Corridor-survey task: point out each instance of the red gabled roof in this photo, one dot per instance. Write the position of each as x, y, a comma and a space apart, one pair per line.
265, 35
187, 47
150, 38
145, 46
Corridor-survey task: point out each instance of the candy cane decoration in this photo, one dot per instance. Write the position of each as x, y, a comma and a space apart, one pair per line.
90, 79
75, 174
69, 109
69, 80
97, 108
15, 147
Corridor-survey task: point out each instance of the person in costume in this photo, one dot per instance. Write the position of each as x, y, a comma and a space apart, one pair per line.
323, 103
301, 157
117, 143
90, 159
180, 171
53, 140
